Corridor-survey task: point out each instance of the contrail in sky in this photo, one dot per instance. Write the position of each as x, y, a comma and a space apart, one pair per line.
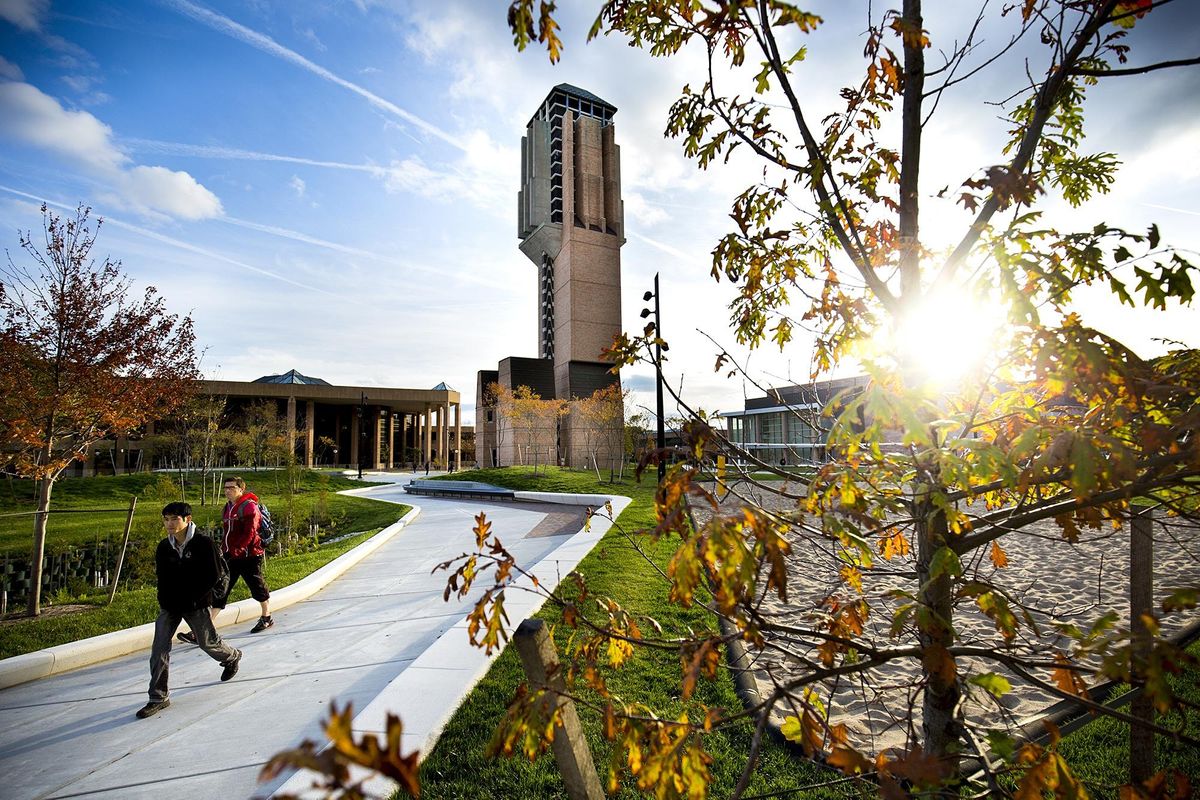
191, 248
237, 154
1172, 208
268, 45
666, 248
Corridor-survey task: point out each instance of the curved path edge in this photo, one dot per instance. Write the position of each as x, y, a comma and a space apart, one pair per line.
439, 699
84, 652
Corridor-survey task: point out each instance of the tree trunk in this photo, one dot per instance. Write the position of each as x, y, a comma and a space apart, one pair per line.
45, 487
941, 732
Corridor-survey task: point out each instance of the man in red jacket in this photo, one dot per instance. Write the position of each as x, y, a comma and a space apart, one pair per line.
243, 550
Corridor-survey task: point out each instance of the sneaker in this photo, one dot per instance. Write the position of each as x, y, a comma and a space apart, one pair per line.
262, 625
186, 636
152, 708
231, 668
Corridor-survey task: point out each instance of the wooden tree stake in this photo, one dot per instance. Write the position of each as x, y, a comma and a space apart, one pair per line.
570, 747
112, 593
1141, 599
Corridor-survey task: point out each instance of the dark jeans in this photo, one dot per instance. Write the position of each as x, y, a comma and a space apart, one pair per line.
164, 631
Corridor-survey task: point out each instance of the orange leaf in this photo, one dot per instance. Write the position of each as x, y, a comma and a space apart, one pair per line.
999, 557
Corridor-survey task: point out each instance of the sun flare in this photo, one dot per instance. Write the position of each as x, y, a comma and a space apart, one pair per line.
945, 338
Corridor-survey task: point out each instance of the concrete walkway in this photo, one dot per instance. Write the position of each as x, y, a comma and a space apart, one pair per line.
379, 635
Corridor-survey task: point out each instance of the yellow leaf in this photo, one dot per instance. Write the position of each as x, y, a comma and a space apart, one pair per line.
852, 576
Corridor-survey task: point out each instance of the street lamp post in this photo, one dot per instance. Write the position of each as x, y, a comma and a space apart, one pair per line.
658, 381
362, 433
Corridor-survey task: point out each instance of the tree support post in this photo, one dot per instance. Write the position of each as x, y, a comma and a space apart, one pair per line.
116, 581
571, 752
1141, 598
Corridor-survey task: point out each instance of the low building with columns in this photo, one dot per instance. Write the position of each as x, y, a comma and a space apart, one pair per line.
378, 427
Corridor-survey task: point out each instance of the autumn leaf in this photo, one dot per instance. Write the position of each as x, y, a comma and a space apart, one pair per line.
893, 543
999, 557
1068, 679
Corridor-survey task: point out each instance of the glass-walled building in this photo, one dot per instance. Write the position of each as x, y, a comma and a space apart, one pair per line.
789, 426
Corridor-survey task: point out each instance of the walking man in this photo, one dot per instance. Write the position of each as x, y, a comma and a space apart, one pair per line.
243, 550
188, 568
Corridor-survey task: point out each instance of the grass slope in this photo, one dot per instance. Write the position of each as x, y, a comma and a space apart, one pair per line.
69, 527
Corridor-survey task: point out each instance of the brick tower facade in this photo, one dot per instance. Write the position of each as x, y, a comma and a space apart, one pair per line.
570, 220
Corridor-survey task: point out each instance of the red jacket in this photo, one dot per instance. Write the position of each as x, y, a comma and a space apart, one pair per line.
240, 521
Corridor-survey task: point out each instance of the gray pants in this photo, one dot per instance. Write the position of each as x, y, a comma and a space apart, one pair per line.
206, 638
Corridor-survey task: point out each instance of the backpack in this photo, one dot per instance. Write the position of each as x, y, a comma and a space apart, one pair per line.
221, 587
266, 528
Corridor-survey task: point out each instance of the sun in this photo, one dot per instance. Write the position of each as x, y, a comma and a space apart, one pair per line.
944, 339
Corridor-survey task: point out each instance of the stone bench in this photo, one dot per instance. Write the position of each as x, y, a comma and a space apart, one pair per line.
470, 489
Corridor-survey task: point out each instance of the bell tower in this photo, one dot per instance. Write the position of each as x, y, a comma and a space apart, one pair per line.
570, 220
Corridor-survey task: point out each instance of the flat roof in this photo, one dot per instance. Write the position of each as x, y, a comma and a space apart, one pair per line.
397, 399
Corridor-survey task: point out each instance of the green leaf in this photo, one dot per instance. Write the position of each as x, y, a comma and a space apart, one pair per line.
762, 81
1002, 745
945, 561
995, 685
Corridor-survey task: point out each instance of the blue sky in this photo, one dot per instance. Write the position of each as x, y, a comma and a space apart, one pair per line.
330, 186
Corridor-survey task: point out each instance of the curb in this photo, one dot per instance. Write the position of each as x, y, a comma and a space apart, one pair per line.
85, 652
421, 731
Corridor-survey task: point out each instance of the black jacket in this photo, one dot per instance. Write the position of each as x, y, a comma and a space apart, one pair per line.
186, 584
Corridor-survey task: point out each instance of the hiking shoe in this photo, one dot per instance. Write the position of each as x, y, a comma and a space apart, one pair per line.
262, 625
231, 668
152, 708
186, 636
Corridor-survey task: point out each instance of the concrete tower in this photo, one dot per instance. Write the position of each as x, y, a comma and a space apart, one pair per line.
571, 225
570, 221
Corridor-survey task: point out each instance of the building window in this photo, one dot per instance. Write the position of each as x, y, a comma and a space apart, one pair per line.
771, 428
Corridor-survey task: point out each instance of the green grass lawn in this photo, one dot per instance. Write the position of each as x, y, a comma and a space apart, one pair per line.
1099, 752
139, 606
70, 528
457, 767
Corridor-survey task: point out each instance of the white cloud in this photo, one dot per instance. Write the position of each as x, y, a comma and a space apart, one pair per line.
174, 193
297, 185
641, 212
10, 71
25, 14
34, 118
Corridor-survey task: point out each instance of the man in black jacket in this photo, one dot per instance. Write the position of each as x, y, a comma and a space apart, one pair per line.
188, 568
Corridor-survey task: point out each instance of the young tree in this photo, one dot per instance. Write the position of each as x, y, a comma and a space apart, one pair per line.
80, 360
194, 438
600, 418
263, 429
527, 415
500, 400
1057, 420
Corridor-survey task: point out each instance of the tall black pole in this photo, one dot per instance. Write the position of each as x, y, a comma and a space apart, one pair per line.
658, 383
362, 432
